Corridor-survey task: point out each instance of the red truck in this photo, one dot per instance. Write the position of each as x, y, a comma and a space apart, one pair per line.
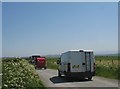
40, 62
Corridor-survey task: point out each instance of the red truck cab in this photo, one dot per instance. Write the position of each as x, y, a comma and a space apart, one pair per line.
41, 63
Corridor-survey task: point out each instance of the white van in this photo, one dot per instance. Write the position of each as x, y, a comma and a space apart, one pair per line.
77, 63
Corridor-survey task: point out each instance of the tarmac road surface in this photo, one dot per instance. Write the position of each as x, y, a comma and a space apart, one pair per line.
50, 78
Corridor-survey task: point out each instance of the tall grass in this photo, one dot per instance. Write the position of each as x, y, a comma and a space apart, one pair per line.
107, 66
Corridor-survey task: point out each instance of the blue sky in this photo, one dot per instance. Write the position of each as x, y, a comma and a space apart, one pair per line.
60, 1
52, 28
1, 30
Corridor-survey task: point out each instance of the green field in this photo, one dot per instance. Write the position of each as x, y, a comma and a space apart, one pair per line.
18, 73
106, 66
52, 63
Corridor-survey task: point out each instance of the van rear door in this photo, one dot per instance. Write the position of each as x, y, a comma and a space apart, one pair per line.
88, 61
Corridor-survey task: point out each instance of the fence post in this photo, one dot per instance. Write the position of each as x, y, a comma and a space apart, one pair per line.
112, 62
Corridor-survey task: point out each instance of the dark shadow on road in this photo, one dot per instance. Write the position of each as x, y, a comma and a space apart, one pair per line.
62, 79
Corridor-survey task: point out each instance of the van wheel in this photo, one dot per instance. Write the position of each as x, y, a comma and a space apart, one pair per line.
90, 77
59, 74
45, 67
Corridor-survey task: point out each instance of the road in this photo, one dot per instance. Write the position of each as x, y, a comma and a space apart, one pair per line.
50, 79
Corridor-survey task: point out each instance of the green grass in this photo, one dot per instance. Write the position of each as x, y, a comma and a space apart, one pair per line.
107, 66
52, 63
108, 72
18, 73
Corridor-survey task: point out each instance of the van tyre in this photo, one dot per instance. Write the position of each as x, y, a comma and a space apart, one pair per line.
59, 74
45, 67
89, 78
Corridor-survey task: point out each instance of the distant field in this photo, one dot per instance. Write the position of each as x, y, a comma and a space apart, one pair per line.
52, 63
106, 66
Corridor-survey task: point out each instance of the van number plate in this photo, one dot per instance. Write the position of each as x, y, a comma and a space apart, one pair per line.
75, 66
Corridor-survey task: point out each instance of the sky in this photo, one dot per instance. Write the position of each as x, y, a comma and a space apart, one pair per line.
0, 30
53, 28
60, 0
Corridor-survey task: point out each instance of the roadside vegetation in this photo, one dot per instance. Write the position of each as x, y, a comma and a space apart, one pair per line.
52, 63
18, 73
106, 66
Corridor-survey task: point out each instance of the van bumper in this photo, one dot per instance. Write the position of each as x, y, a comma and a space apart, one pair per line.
79, 74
